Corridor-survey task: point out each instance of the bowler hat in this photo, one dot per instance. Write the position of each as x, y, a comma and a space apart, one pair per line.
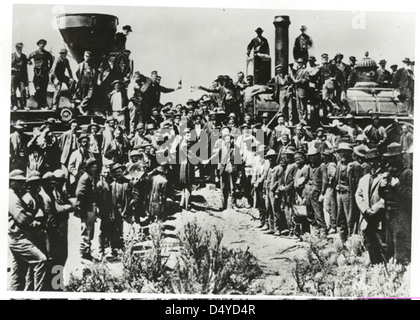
63, 50
19, 44
394, 66
190, 101
372, 154
360, 151
17, 175
41, 41
393, 149
312, 151
116, 82
352, 58
245, 125
311, 58
382, 61
324, 55
259, 30
344, 146
303, 28
127, 28
93, 125
338, 55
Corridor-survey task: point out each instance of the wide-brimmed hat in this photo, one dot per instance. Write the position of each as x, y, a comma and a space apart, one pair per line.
19, 44
90, 162
327, 152
406, 60
19, 124
41, 41
190, 101
116, 166
338, 55
382, 61
312, 151
271, 153
63, 50
245, 125
127, 28
33, 176
311, 58
116, 82
372, 154
17, 175
289, 151
134, 152
360, 151
344, 146
83, 136
393, 149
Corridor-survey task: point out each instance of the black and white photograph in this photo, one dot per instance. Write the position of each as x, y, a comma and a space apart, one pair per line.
217, 151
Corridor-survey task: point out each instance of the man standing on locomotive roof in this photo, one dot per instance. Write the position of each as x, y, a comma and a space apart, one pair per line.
43, 61
259, 44
58, 77
86, 74
302, 43
19, 76
404, 82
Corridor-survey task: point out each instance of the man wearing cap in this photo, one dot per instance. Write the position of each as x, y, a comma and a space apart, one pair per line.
78, 160
281, 84
19, 76
22, 225
43, 61
395, 188
300, 79
121, 38
404, 82
58, 77
329, 75
87, 198
302, 44
68, 142
315, 191
86, 75
372, 208
376, 134
330, 206
342, 81
18, 147
345, 219
383, 76
259, 44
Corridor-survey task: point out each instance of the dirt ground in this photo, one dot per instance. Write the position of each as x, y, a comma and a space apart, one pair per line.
275, 254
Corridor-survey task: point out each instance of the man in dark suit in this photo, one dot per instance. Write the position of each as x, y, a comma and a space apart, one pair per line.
19, 76
58, 77
86, 75
259, 44
43, 61
383, 76
302, 43
68, 142
404, 81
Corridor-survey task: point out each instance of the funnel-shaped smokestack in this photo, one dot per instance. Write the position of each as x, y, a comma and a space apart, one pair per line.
87, 31
281, 24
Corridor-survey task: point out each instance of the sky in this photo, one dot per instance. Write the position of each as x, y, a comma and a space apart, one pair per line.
197, 44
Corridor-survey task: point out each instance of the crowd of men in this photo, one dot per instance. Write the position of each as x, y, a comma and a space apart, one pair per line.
338, 178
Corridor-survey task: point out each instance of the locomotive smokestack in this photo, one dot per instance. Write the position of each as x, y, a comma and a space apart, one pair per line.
281, 23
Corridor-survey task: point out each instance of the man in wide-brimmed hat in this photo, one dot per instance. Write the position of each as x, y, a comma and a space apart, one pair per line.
383, 76
372, 209
302, 44
18, 146
86, 207
58, 77
395, 188
23, 250
19, 77
404, 82
259, 44
43, 61
376, 134
68, 142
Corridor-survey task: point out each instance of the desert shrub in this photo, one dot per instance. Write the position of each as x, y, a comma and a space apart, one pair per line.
331, 269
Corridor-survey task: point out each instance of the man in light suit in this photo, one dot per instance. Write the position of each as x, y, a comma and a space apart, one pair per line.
372, 206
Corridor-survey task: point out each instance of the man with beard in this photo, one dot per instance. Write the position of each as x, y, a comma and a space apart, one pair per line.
118, 149
87, 198
372, 207
376, 134
78, 160
300, 79
395, 188
316, 188
21, 225
329, 204
43, 61
259, 44
50, 151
